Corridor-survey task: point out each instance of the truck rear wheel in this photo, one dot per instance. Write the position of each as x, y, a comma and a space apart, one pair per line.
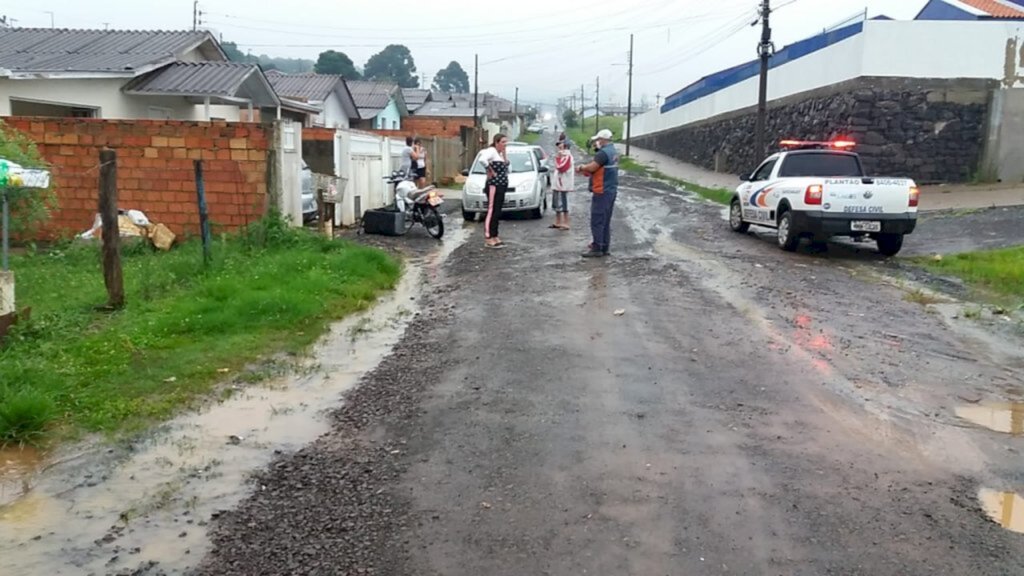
889, 244
736, 217
788, 237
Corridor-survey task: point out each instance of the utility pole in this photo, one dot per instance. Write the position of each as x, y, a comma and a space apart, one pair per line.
765, 50
583, 107
195, 15
597, 106
476, 90
629, 97
515, 113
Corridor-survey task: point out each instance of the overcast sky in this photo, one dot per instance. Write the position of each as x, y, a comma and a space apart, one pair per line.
546, 48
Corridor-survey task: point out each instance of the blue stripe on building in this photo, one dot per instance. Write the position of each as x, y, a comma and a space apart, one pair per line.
732, 76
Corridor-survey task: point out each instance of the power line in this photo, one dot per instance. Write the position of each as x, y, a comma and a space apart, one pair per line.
366, 42
702, 45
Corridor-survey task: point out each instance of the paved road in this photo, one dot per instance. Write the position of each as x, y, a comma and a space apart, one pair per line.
752, 412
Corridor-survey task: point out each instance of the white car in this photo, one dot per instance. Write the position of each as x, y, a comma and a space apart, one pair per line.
527, 190
819, 190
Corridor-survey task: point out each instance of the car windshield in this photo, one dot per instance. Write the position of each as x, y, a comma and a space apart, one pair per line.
518, 163
820, 164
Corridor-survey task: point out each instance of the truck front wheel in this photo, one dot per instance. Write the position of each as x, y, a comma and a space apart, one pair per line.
889, 244
788, 236
736, 217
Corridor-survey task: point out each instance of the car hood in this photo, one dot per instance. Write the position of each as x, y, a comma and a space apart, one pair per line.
476, 181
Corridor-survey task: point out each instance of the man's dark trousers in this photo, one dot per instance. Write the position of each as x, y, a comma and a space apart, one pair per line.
601, 207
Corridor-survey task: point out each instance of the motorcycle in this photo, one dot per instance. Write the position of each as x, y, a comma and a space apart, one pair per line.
418, 204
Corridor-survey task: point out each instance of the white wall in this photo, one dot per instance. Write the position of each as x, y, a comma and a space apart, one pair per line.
362, 160
333, 115
911, 49
105, 95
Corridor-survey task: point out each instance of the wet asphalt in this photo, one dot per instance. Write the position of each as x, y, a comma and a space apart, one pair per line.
698, 403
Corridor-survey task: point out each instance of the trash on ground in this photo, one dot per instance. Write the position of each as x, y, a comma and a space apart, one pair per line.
134, 224
620, 312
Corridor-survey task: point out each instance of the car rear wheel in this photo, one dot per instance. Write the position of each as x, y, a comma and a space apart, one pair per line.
736, 217
889, 244
788, 237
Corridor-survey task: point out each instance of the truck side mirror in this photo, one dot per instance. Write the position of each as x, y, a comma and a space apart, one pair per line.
465, 172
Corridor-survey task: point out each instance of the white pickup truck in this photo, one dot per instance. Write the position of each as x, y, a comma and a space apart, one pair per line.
818, 190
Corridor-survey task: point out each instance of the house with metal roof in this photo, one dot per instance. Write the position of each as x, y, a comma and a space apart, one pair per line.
415, 98
381, 105
128, 74
972, 10
328, 92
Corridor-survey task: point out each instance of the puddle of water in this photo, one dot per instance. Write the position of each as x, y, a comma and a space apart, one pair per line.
1005, 417
17, 466
153, 504
1004, 508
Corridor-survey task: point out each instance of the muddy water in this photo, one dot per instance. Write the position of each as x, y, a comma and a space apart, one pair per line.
1004, 508
120, 509
1006, 417
18, 465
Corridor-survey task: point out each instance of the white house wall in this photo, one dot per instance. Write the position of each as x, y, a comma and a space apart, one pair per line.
106, 97
333, 115
911, 49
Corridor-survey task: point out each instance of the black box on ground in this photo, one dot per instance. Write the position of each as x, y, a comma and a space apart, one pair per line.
384, 222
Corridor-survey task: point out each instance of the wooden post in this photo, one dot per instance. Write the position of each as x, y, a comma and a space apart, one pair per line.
204, 219
321, 211
112, 274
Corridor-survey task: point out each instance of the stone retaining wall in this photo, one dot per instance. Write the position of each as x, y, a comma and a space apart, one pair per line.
929, 130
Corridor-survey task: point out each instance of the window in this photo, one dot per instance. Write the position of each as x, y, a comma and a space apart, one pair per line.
821, 164
51, 109
394, 124
765, 171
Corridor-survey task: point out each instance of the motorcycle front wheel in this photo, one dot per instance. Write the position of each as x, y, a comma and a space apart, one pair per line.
433, 222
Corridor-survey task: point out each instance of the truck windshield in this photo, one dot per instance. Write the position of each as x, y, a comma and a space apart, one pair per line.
820, 164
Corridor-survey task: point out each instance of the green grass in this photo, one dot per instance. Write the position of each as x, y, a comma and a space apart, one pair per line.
581, 134
529, 137
1000, 272
72, 369
719, 195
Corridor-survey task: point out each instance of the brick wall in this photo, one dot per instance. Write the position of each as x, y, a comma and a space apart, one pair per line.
319, 134
155, 171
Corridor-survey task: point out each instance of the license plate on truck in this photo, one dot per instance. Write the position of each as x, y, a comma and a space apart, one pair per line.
865, 226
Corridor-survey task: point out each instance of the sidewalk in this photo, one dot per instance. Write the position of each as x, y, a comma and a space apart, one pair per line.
677, 169
940, 197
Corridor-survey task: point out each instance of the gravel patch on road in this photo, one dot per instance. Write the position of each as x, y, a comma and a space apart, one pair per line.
282, 528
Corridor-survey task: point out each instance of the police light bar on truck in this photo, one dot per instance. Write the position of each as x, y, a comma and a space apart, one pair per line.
813, 145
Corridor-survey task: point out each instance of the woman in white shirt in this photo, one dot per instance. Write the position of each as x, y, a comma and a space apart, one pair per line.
495, 159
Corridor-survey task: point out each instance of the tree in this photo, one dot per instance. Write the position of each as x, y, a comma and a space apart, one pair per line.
452, 78
334, 62
570, 119
393, 64
29, 206
286, 65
